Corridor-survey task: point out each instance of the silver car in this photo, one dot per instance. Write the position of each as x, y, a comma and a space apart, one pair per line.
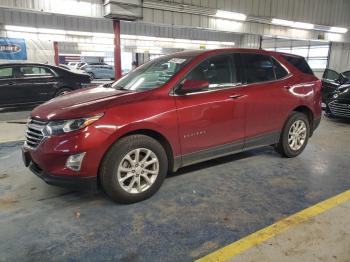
99, 71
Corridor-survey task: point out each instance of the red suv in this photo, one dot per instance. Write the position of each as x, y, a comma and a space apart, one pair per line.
171, 112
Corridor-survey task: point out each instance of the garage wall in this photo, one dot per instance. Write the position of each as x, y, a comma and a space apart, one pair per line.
89, 8
38, 50
197, 13
339, 59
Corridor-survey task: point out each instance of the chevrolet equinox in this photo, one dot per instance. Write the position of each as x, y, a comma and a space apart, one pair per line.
172, 112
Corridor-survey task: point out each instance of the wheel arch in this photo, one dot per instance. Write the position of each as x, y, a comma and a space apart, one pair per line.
173, 164
161, 139
308, 112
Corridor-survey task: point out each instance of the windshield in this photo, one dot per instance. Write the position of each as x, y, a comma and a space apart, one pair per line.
152, 74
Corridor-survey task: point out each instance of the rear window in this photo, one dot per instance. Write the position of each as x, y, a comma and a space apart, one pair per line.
300, 63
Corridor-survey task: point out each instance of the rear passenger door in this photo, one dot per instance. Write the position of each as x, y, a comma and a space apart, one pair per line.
36, 83
266, 98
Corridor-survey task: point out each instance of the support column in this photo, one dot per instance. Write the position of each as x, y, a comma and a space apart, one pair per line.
55, 48
117, 49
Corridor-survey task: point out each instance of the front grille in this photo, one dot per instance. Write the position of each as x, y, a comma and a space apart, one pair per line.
34, 133
339, 109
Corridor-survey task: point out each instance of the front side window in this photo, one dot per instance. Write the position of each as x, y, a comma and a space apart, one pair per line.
152, 74
258, 68
6, 72
30, 71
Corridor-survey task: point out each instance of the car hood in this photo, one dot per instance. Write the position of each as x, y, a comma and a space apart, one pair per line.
78, 103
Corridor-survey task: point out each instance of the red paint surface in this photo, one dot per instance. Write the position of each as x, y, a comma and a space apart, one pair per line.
214, 117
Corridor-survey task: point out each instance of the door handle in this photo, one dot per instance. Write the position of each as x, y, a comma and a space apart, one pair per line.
236, 96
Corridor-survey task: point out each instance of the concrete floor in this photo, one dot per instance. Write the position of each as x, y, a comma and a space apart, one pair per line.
322, 238
197, 210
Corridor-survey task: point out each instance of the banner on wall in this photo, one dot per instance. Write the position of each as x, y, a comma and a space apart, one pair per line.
13, 49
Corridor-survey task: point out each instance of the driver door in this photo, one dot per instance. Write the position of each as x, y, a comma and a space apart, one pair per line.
211, 121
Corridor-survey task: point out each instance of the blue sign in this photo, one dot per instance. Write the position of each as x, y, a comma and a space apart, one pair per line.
13, 49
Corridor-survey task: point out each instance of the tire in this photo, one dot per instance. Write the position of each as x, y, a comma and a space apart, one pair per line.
285, 146
62, 91
117, 166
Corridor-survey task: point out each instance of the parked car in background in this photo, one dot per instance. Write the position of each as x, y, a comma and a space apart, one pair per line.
72, 65
331, 81
99, 71
171, 112
65, 66
338, 105
82, 64
32, 83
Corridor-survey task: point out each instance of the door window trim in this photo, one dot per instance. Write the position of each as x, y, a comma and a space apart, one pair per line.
232, 55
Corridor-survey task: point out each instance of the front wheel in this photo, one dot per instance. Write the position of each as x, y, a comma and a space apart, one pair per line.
294, 136
133, 169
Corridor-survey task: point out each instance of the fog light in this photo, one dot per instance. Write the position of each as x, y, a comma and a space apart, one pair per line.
74, 161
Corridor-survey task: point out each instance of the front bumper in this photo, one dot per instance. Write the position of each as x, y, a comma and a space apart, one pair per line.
79, 183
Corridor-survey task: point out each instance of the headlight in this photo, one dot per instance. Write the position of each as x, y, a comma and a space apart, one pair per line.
65, 126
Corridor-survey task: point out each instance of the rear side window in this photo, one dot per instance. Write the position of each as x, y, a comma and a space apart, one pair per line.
300, 63
6, 72
280, 71
29, 71
258, 68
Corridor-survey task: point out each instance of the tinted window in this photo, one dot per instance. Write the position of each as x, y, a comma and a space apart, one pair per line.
219, 71
299, 63
346, 74
330, 75
6, 72
28, 71
258, 68
279, 69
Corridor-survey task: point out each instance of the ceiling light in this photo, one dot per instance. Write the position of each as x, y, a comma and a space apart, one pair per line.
282, 22
51, 31
303, 25
230, 15
21, 28
292, 23
340, 30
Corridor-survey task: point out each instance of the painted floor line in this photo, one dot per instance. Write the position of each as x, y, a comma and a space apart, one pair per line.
262, 235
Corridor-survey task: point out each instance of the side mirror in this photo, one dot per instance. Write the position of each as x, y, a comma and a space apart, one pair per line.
192, 85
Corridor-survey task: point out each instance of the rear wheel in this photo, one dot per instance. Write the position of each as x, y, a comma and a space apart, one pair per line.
133, 169
63, 91
295, 135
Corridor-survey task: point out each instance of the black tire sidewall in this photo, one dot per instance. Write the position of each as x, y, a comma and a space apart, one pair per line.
110, 164
285, 147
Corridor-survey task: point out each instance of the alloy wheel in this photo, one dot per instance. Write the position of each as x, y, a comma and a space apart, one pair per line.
297, 135
138, 170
